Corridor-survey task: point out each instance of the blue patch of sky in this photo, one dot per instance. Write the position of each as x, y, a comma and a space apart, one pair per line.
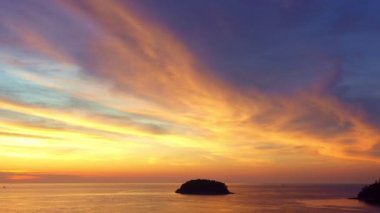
274, 45
26, 92
283, 46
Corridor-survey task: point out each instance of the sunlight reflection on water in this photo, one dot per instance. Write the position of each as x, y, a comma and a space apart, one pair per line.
133, 197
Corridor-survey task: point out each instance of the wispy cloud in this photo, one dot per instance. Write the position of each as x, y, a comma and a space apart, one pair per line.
132, 95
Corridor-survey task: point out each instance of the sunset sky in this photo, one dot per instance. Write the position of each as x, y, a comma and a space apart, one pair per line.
259, 91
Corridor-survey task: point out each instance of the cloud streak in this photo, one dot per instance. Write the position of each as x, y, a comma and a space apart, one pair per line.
148, 101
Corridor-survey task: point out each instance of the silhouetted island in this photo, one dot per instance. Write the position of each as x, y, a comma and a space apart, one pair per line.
370, 193
203, 187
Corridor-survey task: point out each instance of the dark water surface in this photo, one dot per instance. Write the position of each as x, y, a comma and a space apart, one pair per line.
142, 197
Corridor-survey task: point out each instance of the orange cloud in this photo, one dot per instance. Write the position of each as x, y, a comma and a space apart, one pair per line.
22, 177
137, 67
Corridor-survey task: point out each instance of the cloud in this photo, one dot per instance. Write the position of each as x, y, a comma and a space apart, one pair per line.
376, 149
137, 93
7, 176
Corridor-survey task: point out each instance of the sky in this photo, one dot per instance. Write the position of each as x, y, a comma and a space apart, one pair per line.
257, 91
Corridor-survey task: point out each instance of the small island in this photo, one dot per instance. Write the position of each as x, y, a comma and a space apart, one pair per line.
203, 187
370, 193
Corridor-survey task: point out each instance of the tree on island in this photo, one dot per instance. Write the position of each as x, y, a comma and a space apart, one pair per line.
370, 193
203, 187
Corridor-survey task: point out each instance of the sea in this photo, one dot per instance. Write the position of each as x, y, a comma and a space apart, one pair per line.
160, 197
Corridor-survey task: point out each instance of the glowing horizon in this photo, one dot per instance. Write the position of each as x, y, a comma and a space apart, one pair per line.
97, 90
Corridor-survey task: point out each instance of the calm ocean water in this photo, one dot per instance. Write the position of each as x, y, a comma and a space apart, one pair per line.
133, 197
